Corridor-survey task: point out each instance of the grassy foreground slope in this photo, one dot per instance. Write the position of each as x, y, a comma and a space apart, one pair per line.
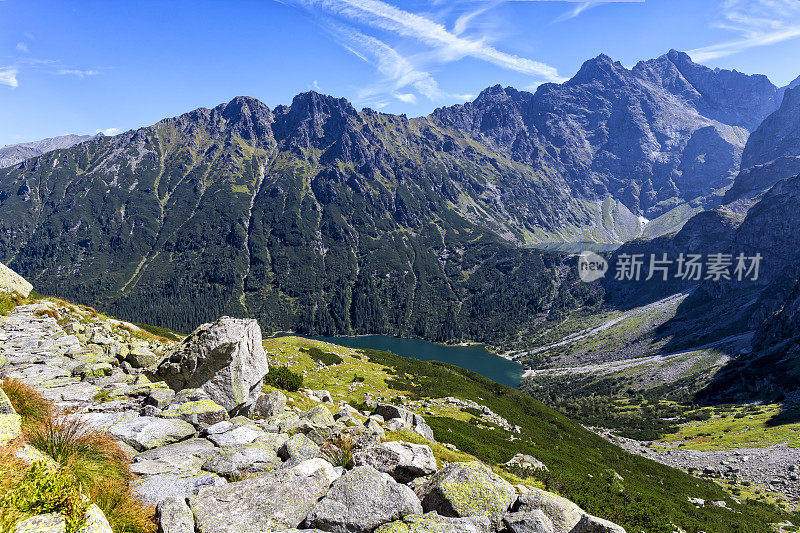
638, 493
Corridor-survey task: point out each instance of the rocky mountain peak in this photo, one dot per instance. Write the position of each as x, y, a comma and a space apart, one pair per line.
249, 118
601, 68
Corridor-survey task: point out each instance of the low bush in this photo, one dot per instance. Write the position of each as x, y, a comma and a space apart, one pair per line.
38, 489
283, 378
326, 358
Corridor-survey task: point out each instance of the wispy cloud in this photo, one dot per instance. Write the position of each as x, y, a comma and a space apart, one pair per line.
433, 44
109, 131
76, 72
397, 70
22, 47
757, 23
8, 76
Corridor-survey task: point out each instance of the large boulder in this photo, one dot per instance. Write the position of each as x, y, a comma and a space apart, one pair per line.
468, 489
401, 460
11, 282
146, 432
275, 501
243, 461
413, 421
361, 500
225, 358
563, 513
434, 523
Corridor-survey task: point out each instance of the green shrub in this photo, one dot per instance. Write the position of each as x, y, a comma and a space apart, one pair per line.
283, 378
326, 358
42, 489
358, 379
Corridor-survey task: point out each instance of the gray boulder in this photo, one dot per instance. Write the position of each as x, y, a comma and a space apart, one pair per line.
196, 407
563, 513
275, 501
412, 421
592, 524
298, 448
236, 436
434, 523
361, 500
243, 461
530, 522
145, 432
156, 488
224, 358
526, 461
267, 405
43, 523
174, 516
468, 489
401, 460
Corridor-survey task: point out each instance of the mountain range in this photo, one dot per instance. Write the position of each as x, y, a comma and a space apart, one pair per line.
319, 218
16, 153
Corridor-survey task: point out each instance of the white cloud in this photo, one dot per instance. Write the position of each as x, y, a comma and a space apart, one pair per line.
76, 72
22, 47
8, 76
463, 21
398, 71
109, 131
315, 86
408, 98
757, 23
450, 46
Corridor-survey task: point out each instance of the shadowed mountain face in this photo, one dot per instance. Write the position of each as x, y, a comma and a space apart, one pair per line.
323, 219
664, 132
16, 153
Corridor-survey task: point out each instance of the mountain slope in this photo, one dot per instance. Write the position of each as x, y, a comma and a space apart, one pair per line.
312, 217
16, 153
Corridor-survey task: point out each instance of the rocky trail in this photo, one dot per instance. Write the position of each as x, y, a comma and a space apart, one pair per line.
214, 454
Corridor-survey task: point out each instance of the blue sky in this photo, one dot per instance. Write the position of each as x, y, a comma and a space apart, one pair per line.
81, 66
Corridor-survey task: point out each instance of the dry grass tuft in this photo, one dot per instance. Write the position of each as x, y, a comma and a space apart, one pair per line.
28, 403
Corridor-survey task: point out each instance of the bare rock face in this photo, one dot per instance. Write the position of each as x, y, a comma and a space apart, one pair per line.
10, 281
224, 358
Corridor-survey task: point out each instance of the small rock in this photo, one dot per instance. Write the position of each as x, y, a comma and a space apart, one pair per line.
434, 523
297, 449
10, 421
96, 521
267, 405
530, 522
43, 523
401, 460
174, 516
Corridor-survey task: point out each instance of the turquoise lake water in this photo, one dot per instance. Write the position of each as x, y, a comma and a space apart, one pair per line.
475, 358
